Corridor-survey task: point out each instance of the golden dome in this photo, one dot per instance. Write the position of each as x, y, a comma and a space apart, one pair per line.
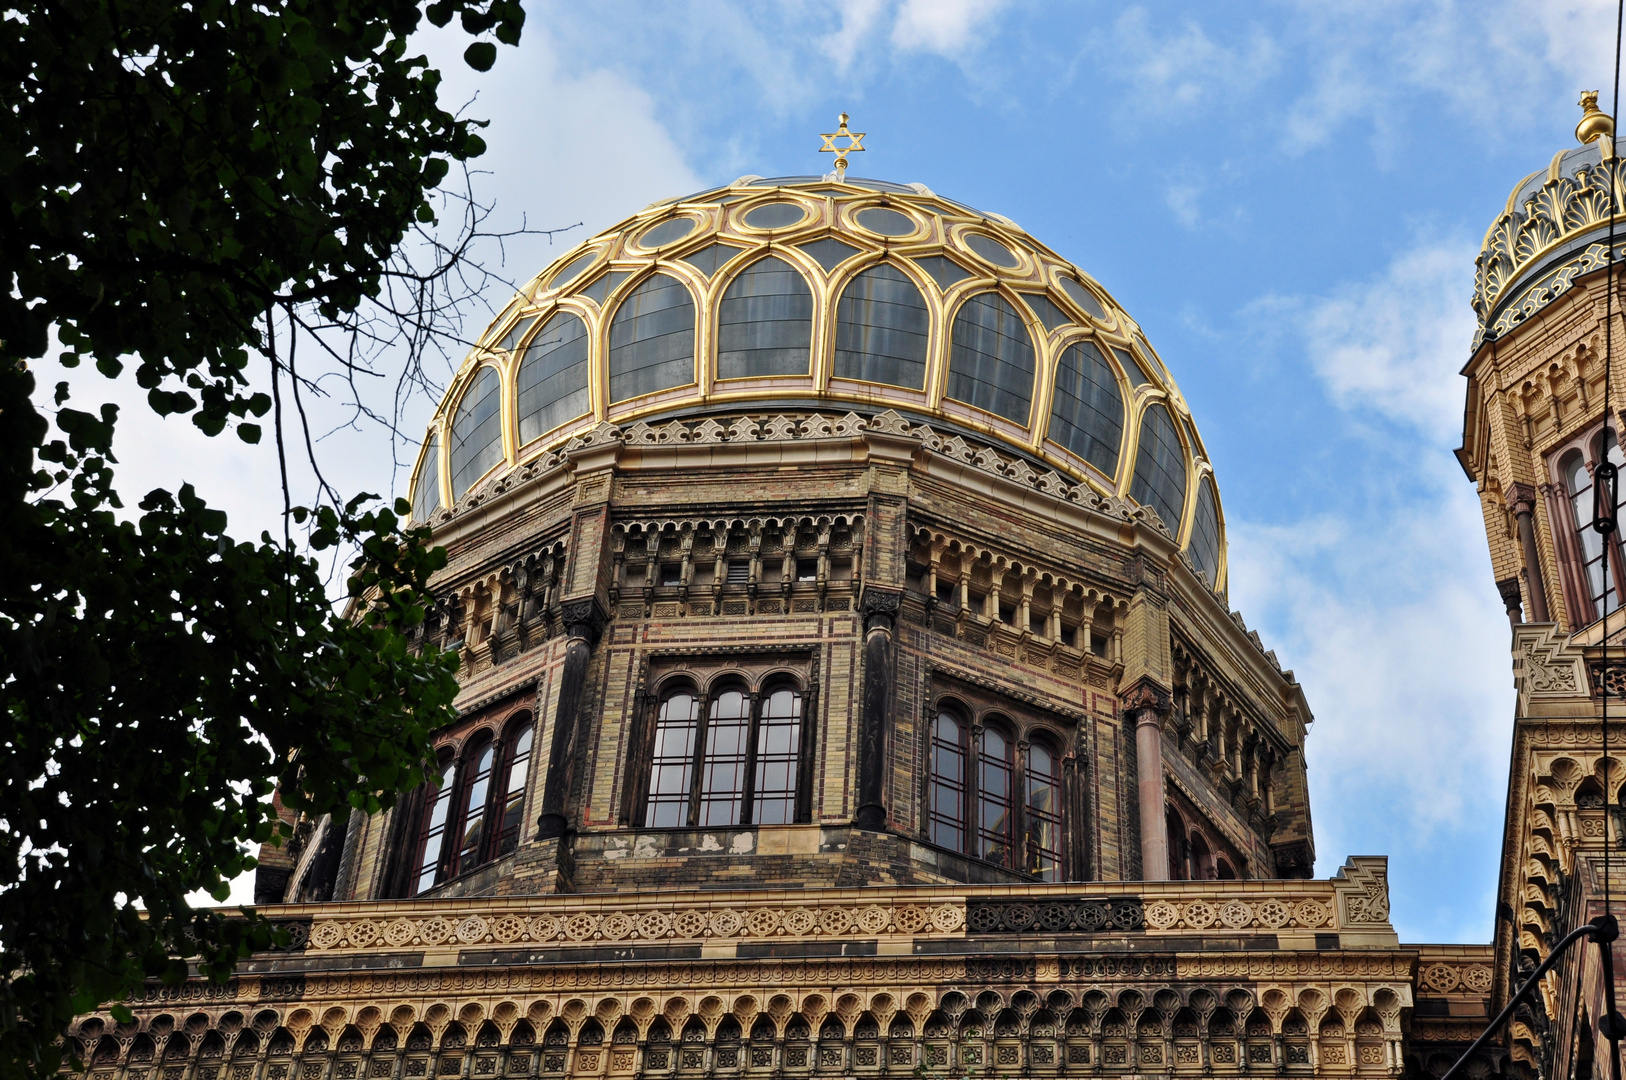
803, 293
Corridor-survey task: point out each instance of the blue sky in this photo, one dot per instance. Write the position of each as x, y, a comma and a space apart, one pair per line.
1287, 196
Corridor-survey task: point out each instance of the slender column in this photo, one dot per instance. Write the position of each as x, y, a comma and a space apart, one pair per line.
583, 620
1509, 590
1146, 705
1521, 499
880, 609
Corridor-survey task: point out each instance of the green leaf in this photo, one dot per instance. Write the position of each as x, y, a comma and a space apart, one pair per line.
480, 56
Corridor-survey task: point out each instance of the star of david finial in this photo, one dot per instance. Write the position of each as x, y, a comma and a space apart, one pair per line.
855, 142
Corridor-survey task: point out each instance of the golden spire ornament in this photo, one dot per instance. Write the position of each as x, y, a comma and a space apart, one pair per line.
855, 142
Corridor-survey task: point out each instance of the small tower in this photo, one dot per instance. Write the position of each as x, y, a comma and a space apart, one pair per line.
1534, 433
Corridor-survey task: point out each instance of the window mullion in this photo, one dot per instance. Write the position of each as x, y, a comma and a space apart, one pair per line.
498, 783
973, 791
1019, 810
702, 728
748, 783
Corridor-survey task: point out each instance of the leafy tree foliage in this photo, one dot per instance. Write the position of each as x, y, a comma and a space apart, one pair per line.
171, 176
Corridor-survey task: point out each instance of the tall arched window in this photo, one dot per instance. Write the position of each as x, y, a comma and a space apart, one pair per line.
472, 808
779, 738
652, 339
672, 760
437, 810
516, 770
1043, 825
947, 795
1087, 410
551, 385
994, 817
991, 358
1160, 468
741, 766
426, 495
1602, 568
765, 322
882, 326
1176, 826
476, 431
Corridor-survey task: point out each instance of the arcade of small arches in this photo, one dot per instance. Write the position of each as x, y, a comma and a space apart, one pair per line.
1349, 1029
1195, 854
1013, 346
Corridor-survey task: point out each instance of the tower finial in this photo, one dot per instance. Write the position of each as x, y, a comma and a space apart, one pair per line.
855, 142
1595, 123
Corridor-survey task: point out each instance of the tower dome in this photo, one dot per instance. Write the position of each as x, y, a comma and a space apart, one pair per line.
862, 297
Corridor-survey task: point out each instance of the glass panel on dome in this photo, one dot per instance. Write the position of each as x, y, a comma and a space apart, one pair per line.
881, 329
551, 386
477, 431
878, 219
1086, 412
710, 257
1084, 298
1204, 545
667, 232
830, 252
765, 322
1131, 366
604, 285
986, 247
775, 215
1160, 468
652, 339
991, 358
516, 334
1049, 314
426, 494
572, 269
944, 270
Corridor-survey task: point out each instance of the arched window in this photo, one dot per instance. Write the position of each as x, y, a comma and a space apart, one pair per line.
426, 494
947, 798
1160, 468
1202, 858
652, 339
994, 817
882, 326
672, 760
765, 322
779, 737
551, 385
476, 783
991, 358
1223, 870
476, 431
1087, 410
1176, 828
516, 770
1602, 568
1042, 856
722, 776
1205, 543
432, 840
742, 766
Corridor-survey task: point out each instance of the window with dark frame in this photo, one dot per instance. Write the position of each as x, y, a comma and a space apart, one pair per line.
990, 799
732, 755
476, 811
1594, 566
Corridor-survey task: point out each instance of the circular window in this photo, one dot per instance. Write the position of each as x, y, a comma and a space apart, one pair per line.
572, 269
878, 219
1084, 298
667, 232
990, 250
775, 216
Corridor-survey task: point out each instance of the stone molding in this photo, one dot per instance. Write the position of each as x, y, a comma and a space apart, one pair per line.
1546, 666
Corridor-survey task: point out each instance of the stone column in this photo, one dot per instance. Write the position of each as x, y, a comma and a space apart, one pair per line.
880, 608
1145, 706
1521, 499
1509, 590
583, 620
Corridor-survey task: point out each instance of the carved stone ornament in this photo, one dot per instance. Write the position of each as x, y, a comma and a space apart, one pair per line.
582, 618
1545, 665
880, 608
1146, 694
1362, 886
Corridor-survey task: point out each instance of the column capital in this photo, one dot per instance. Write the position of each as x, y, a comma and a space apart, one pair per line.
1521, 498
583, 618
880, 607
1146, 697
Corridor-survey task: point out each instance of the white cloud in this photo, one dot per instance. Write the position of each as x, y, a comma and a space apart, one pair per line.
1183, 66
946, 27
